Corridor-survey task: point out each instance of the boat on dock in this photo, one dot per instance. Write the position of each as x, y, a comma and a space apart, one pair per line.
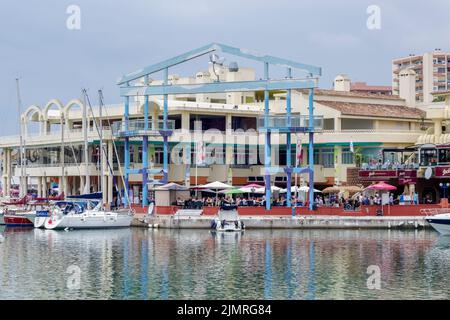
228, 220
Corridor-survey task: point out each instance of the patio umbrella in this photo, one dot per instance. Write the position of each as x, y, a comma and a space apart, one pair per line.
232, 191
331, 190
253, 185
172, 186
382, 186
216, 185
295, 189
263, 189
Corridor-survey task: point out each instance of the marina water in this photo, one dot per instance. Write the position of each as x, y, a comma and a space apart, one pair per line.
197, 264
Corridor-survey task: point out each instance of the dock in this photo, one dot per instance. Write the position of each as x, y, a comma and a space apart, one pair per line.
284, 222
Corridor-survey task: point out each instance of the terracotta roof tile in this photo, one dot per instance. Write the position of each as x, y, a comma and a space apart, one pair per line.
374, 110
352, 94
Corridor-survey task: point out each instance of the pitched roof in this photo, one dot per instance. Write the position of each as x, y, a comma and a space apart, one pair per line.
374, 110
357, 94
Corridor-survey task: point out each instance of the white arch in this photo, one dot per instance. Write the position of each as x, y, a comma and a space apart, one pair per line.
32, 110
72, 103
53, 102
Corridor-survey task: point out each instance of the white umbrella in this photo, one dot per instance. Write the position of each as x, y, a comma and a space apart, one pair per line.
263, 189
295, 190
216, 185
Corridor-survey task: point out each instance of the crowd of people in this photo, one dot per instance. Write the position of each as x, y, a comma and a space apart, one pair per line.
353, 203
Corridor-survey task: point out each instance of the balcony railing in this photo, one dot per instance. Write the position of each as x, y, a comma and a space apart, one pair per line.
297, 122
137, 127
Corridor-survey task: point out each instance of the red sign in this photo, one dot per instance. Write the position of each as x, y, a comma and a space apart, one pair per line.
407, 174
377, 174
442, 172
403, 181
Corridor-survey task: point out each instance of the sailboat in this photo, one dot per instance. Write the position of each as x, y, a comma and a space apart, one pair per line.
88, 213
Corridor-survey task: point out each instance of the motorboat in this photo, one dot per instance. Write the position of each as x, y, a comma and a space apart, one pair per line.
17, 220
32, 214
227, 219
440, 222
66, 215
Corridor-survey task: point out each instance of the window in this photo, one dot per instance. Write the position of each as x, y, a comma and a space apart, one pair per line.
444, 156
428, 157
327, 158
244, 123
324, 157
347, 156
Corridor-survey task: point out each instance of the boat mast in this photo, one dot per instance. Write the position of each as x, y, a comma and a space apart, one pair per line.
23, 185
102, 164
86, 146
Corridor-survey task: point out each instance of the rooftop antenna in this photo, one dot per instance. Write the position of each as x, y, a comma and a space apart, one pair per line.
216, 60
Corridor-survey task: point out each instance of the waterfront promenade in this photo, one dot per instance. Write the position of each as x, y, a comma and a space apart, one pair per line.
394, 217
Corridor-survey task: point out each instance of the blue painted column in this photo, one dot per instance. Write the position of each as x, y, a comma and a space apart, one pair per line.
288, 144
267, 149
311, 148
126, 150
145, 156
165, 137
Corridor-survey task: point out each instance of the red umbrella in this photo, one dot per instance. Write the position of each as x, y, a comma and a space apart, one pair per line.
381, 186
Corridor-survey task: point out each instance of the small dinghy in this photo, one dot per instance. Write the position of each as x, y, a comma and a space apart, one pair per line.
228, 219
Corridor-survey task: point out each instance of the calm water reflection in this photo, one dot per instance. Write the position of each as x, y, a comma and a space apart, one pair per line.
185, 264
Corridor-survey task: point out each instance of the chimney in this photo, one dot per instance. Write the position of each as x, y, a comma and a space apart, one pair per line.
342, 83
407, 86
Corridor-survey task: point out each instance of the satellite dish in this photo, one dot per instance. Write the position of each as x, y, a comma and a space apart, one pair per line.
215, 59
428, 173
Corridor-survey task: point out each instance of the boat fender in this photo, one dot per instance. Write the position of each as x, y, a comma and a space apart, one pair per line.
213, 224
236, 224
242, 225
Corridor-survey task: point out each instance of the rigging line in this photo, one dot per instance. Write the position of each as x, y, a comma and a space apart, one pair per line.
73, 154
98, 132
115, 149
97, 129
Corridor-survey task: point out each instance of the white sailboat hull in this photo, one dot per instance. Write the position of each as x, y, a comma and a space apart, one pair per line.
89, 220
39, 222
441, 223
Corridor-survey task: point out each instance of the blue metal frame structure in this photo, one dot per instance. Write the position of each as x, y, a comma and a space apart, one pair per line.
129, 89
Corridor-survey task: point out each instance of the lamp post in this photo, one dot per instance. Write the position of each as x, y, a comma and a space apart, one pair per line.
444, 187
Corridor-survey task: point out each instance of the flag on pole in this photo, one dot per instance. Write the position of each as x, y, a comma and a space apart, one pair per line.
299, 151
352, 149
200, 153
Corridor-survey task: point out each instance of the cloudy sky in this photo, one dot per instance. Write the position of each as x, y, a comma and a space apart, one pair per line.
117, 37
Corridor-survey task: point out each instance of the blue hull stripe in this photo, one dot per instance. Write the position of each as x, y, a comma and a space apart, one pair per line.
439, 221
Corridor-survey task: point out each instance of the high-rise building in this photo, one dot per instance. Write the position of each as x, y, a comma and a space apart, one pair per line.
432, 73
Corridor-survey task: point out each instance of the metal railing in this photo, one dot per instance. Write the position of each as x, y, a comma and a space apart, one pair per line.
137, 126
296, 122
